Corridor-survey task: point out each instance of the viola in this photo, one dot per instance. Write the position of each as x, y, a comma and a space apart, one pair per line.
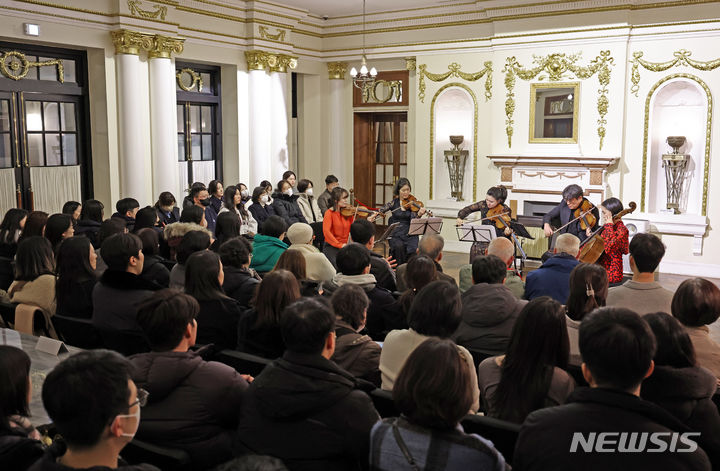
584, 213
500, 215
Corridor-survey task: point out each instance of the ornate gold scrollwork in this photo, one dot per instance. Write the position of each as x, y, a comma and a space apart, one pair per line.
336, 70
15, 66
164, 46
135, 10
392, 89
195, 79
454, 71
265, 34
682, 57
555, 65
156, 45
263, 60
410, 64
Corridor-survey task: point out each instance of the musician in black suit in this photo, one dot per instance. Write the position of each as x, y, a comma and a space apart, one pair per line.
564, 212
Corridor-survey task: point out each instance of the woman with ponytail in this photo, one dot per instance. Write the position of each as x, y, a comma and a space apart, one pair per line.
588, 291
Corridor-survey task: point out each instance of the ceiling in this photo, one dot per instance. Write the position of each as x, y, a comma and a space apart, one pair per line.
339, 8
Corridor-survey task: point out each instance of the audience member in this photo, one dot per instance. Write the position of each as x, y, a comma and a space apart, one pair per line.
216, 191
154, 269
489, 309
219, 313
120, 288
188, 200
76, 264
201, 198
126, 209
240, 280
166, 208
191, 242
20, 444
531, 374
34, 225
91, 217
72, 209
308, 203
227, 227
192, 219
696, 304
10, 230
317, 408
435, 312
146, 218
95, 406
362, 231
233, 203
34, 275
259, 327
552, 278
642, 293
317, 264
193, 404
285, 204
58, 227
588, 291
290, 177
261, 208
432, 246
195, 214
269, 245
357, 354
433, 393
505, 250
108, 228
420, 271
617, 349
294, 262
253, 463
323, 201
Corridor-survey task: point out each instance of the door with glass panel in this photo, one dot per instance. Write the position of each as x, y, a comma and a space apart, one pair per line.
389, 135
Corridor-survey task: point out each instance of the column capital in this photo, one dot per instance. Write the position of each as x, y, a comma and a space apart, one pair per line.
336, 70
273, 62
410, 63
165, 46
156, 45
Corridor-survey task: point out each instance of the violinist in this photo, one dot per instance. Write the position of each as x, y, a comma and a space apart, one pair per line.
336, 223
403, 208
615, 235
576, 208
495, 202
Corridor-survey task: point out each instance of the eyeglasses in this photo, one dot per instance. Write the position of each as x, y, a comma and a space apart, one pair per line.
142, 397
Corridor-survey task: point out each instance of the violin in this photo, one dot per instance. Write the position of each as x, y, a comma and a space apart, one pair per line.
594, 246
501, 216
411, 203
357, 211
584, 213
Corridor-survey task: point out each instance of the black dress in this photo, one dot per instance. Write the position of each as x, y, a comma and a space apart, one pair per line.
479, 248
402, 245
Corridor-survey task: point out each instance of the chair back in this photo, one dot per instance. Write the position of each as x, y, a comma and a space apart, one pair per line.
503, 434
167, 459
7, 312
383, 402
124, 342
244, 363
77, 332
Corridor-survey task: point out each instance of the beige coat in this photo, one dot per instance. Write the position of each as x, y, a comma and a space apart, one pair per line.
707, 351
40, 292
305, 202
319, 267
643, 298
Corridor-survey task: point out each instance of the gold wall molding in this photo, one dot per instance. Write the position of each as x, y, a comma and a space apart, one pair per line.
555, 66
195, 80
156, 45
269, 61
454, 71
708, 132
136, 10
265, 34
475, 132
336, 70
15, 66
682, 57
411, 64
393, 88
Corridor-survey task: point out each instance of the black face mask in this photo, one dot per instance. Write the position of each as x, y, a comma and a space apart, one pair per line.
205, 202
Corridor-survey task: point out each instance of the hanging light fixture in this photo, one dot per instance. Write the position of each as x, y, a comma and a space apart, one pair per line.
365, 78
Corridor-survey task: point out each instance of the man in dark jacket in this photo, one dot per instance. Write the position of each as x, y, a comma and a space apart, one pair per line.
127, 208
193, 404
553, 277
564, 212
608, 426
241, 281
323, 200
362, 231
489, 309
303, 408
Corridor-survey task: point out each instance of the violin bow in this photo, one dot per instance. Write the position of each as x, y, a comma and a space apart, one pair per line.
573, 220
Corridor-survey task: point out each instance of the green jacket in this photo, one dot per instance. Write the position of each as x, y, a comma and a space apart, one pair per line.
513, 282
266, 251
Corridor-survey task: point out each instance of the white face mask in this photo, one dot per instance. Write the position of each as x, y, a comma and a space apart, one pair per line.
244, 193
288, 192
264, 198
137, 422
308, 192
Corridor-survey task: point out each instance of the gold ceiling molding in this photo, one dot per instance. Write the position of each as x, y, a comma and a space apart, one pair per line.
136, 10
270, 61
555, 65
454, 71
156, 45
15, 66
265, 34
336, 70
194, 79
682, 57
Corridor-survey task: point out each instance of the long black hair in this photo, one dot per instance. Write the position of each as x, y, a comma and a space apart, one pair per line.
14, 373
10, 226
538, 343
674, 347
73, 266
399, 184
92, 210
421, 270
588, 290
56, 226
336, 195
227, 226
201, 276
34, 258
229, 200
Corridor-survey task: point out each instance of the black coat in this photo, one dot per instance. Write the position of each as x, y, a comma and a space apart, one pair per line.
547, 434
77, 302
165, 218
217, 322
561, 215
129, 222
115, 300
384, 275
265, 341
260, 213
89, 229
240, 285
57, 449
155, 271
308, 412
193, 404
287, 208
17, 451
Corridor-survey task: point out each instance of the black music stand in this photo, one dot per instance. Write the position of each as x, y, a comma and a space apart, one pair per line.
422, 226
386, 236
476, 233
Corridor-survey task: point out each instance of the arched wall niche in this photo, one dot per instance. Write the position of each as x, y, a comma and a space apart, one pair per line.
677, 105
453, 111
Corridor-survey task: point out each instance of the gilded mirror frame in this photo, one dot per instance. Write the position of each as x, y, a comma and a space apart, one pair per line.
534, 87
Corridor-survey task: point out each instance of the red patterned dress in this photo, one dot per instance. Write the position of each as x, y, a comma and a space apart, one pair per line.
616, 245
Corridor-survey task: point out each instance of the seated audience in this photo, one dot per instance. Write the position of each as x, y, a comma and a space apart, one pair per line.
120, 289
259, 327
420, 271
201, 199
191, 220
268, 244
617, 349
108, 228
433, 393
95, 406
384, 314
294, 262
261, 207
72, 209
216, 191
154, 269
195, 214
435, 312
188, 200
432, 246
309, 207
227, 227
357, 354
552, 278
219, 313
34, 225
10, 230
681, 386
505, 250
126, 209
317, 408
20, 444
166, 208
240, 280
285, 204
588, 291
642, 293
193, 404
146, 218
193, 241
531, 374
34, 275
362, 231
57, 228
317, 264
233, 203
323, 201
489, 309
76, 264
91, 217
696, 304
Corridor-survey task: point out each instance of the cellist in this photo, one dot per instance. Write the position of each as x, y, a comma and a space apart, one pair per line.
573, 200
615, 235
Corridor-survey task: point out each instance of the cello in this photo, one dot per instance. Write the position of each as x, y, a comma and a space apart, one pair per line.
594, 246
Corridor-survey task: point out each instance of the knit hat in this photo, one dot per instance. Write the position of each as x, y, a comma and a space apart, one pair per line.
300, 233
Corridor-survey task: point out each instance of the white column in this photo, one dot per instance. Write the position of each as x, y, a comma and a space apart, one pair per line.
339, 161
279, 156
260, 103
163, 124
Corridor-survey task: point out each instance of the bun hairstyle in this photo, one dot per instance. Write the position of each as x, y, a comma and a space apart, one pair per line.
499, 193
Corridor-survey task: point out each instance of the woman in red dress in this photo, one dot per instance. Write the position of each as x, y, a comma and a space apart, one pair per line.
615, 235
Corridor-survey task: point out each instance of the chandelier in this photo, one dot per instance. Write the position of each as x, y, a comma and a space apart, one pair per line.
365, 78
